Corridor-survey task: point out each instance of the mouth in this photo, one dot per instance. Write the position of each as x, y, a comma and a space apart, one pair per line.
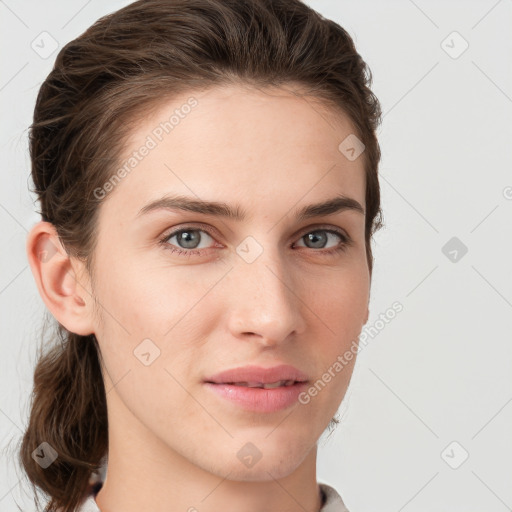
259, 397
258, 389
266, 385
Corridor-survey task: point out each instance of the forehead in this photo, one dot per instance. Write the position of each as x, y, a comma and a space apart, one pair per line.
238, 141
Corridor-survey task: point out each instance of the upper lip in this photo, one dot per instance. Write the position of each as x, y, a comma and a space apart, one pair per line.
254, 373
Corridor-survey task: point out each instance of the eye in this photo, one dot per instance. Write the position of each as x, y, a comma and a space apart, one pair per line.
188, 240
319, 237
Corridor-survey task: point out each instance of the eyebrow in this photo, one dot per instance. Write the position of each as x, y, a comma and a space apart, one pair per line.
220, 209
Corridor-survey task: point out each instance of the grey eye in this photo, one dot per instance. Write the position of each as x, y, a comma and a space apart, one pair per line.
188, 238
318, 239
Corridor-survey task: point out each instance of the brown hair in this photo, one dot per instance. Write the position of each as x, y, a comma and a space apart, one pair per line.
102, 82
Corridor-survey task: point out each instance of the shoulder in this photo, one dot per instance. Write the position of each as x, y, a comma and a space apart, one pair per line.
333, 501
89, 502
89, 505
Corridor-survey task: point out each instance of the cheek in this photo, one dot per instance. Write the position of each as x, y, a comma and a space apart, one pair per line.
154, 314
153, 394
146, 299
342, 301
146, 342
342, 308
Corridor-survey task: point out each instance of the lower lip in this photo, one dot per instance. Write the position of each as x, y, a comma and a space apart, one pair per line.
259, 399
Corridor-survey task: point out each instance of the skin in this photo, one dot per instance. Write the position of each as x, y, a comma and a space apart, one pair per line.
172, 443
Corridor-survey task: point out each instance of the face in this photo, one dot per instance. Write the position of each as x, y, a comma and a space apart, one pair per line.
183, 295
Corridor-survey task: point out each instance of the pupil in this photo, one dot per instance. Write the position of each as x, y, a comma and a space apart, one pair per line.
314, 237
189, 238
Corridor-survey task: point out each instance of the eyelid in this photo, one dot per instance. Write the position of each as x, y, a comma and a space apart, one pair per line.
210, 230
191, 225
327, 227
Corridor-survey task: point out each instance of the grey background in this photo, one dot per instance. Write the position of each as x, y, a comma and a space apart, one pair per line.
440, 371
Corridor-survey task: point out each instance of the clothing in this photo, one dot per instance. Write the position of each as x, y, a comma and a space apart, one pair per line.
332, 500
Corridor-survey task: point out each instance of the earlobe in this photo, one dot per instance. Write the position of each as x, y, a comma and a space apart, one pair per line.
65, 296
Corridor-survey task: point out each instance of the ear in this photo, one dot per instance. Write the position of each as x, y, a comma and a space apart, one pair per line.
62, 282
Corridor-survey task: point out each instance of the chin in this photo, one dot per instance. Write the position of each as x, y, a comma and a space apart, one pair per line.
261, 471
264, 459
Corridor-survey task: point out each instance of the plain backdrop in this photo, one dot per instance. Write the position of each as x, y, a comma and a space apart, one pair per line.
427, 420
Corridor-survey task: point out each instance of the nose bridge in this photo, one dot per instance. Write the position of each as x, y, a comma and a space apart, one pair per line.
266, 303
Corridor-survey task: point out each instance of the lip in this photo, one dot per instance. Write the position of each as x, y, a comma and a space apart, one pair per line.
259, 399
253, 373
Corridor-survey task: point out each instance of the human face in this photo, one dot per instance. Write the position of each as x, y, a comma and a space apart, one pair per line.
236, 292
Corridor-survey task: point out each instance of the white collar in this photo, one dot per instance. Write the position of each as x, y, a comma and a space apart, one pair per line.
333, 502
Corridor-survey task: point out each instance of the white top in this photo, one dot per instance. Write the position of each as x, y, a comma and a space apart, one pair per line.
333, 502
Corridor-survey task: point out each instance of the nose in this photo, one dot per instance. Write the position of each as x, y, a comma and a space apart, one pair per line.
267, 302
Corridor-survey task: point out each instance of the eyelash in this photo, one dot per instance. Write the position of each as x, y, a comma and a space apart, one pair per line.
346, 241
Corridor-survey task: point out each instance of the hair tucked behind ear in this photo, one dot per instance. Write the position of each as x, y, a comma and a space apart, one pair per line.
101, 84
68, 418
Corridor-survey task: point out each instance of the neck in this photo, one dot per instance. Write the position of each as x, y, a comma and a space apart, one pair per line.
122, 490
145, 473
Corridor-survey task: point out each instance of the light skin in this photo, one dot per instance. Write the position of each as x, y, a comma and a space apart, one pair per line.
172, 443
